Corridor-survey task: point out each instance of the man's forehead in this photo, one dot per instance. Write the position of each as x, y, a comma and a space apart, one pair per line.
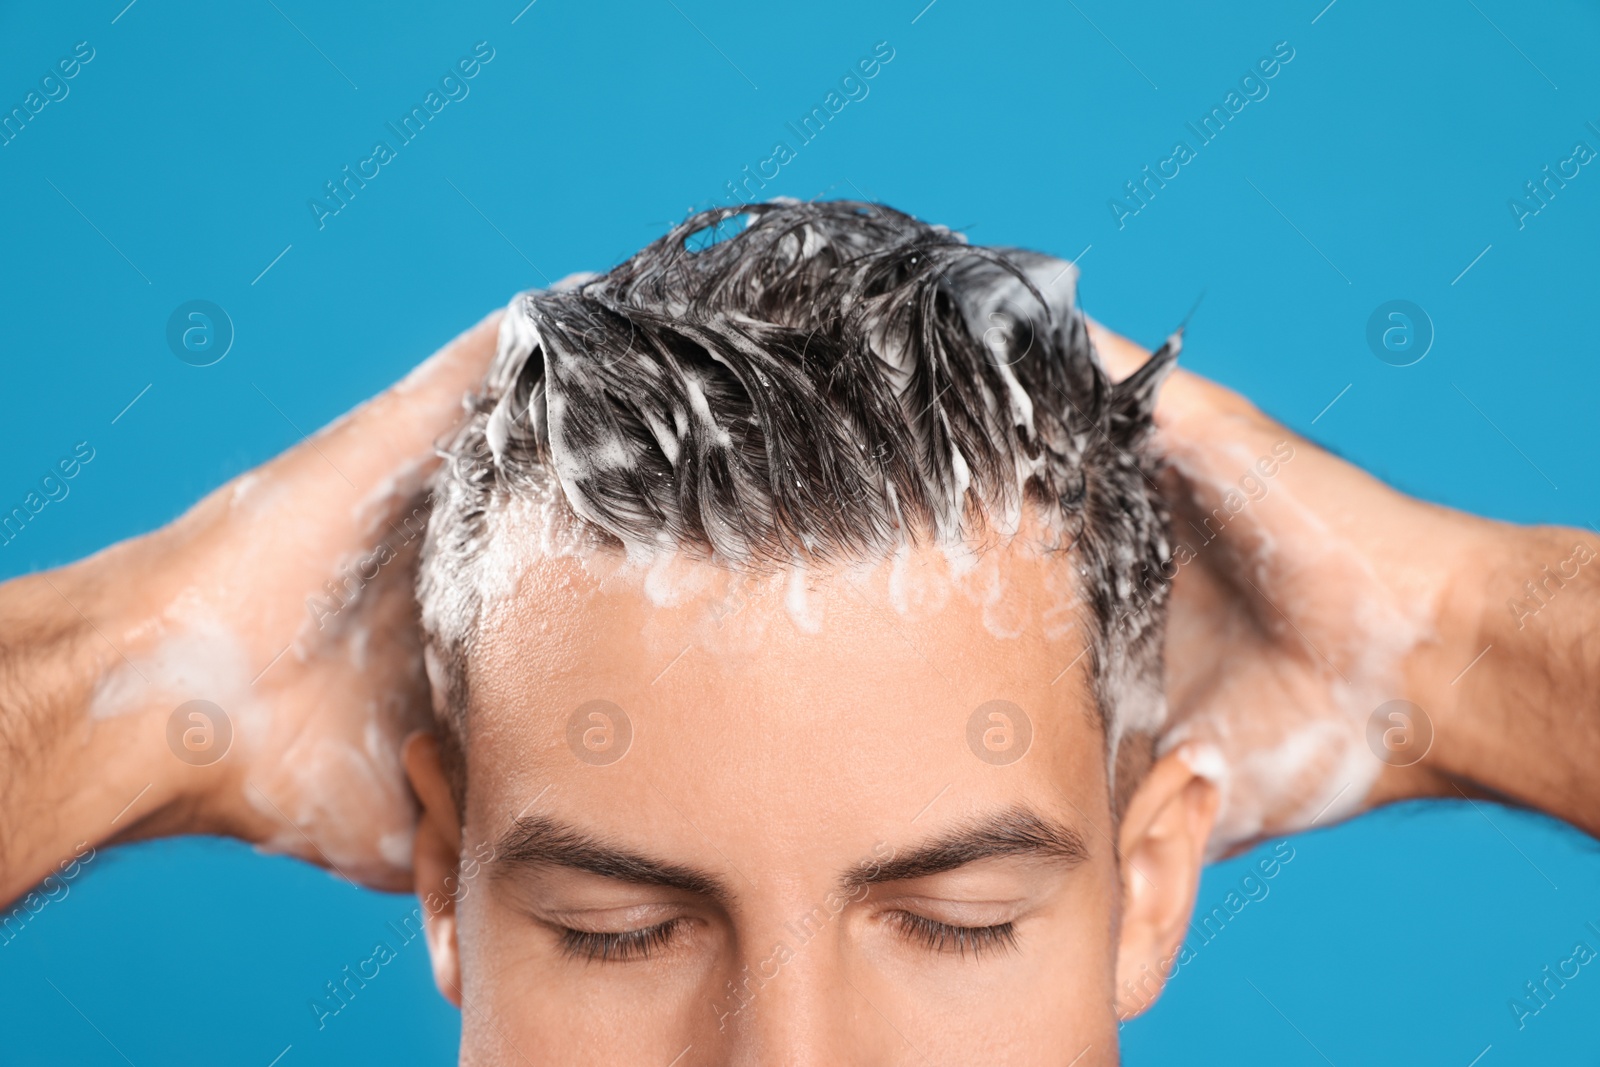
1016, 588
920, 667
932, 623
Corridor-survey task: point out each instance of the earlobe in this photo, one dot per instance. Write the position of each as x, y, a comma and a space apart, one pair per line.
436, 859
1162, 842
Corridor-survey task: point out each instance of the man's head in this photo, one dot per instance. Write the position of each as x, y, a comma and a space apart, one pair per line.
794, 605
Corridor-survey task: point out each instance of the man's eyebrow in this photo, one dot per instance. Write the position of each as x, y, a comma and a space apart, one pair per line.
538, 842
1018, 831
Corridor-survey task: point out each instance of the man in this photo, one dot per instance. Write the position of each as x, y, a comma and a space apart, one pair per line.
792, 608
795, 634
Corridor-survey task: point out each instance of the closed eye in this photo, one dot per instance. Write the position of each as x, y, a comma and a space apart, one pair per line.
943, 937
618, 947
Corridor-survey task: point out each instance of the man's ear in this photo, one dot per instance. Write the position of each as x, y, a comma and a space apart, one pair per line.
1162, 841
436, 860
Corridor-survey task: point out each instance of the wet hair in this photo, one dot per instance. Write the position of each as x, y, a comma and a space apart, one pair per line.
824, 384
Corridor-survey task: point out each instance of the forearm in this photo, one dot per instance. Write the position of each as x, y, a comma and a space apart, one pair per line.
68, 778
1523, 721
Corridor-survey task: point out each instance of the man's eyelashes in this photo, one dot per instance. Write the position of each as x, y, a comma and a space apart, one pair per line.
943, 937
931, 934
619, 947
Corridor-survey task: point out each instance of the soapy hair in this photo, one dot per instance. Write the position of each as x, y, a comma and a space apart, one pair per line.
824, 384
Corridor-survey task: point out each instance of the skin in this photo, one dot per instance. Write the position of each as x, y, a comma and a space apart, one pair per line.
772, 761
1520, 722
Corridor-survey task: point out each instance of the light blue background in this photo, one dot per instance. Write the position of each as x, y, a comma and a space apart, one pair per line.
190, 145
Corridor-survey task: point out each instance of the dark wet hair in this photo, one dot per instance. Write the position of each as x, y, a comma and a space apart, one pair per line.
823, 384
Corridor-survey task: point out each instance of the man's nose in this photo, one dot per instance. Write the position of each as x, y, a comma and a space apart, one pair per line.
808, 1011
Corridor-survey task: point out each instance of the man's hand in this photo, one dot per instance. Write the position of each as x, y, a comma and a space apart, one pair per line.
1309, 595
284, 602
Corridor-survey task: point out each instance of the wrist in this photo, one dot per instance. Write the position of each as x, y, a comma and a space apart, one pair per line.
148, 722
1487, 686
87, 718
1444, 573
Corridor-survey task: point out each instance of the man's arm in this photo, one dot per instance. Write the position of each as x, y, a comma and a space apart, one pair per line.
282, 604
